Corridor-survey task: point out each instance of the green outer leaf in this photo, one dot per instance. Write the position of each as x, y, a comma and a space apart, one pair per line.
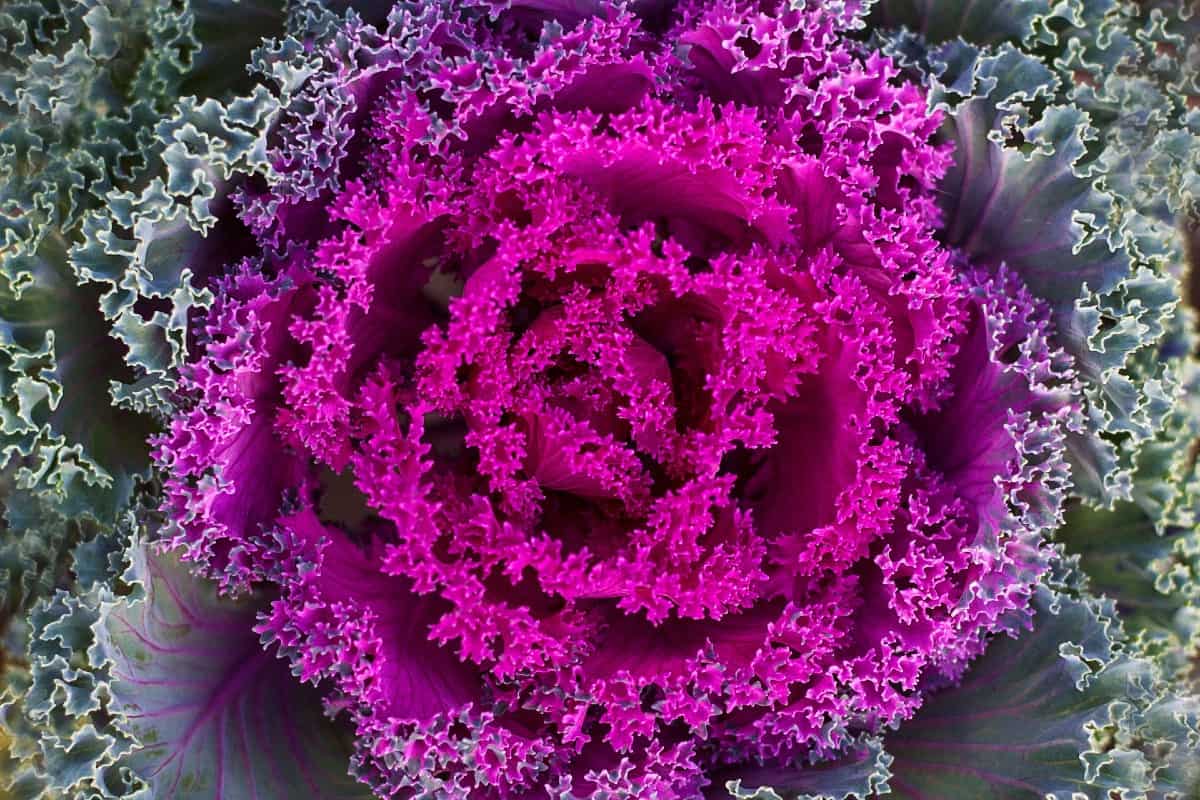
1145, 553
93, 307
147, 245
33, 548
976, 21
83, 85
1043, 181
56, 363
1151, 576
860, 772
1061, 712
214, 714
1027, 209
56, 752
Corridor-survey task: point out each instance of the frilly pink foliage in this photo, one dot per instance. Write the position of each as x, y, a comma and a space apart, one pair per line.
603, 406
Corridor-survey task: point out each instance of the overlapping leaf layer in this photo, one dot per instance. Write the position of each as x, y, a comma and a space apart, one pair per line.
655, 399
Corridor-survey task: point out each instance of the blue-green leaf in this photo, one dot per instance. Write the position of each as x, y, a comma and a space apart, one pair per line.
859, 772
214, 715
1061, 712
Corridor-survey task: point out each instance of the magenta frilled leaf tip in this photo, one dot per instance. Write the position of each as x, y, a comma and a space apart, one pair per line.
604, 411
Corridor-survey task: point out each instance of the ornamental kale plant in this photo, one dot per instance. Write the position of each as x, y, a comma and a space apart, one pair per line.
720, 398
680, 442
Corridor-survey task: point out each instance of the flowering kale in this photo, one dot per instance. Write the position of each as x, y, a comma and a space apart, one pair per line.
602, 406
599, 399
